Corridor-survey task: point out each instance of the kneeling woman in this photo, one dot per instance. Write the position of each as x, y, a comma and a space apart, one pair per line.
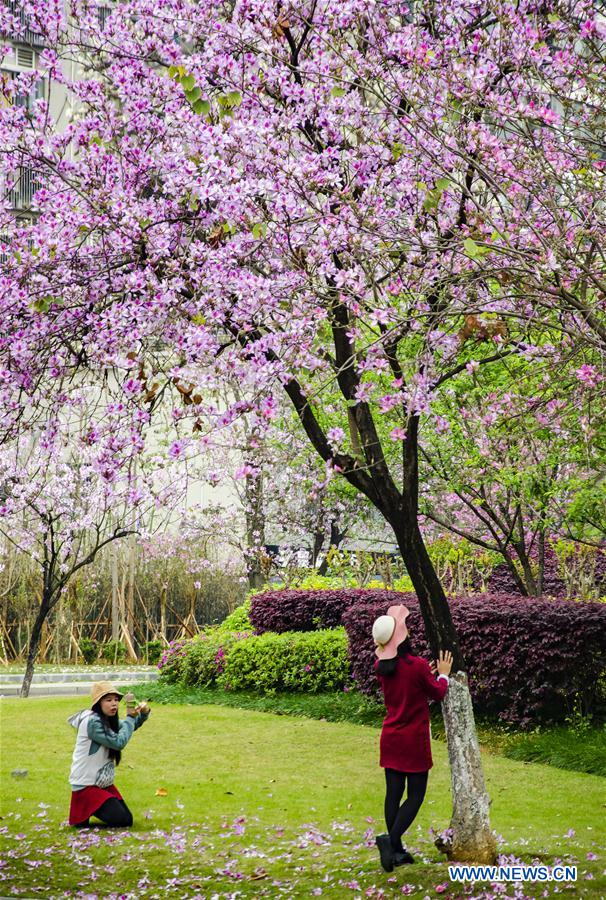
408, 683
101, 738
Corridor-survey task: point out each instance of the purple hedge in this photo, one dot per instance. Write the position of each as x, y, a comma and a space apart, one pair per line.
528, 660
311, 610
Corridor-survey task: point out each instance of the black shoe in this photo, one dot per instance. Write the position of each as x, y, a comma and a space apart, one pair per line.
402, 858
386, 851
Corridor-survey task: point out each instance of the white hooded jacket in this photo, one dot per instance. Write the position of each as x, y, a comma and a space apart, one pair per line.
91, 763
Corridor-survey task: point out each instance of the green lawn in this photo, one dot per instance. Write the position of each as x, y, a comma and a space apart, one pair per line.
259, 805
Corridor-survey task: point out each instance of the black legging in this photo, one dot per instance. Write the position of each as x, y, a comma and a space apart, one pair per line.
400, 818
114, 813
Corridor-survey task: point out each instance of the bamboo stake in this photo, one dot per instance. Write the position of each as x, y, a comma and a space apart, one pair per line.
8, 638
75, 645
129, 645
97, 622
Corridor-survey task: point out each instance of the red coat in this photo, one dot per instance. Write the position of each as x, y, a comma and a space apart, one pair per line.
405, 742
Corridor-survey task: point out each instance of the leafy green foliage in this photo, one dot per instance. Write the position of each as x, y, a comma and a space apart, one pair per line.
152, 651
336, 706
89, 650
113, 651
200, 661
298, 662
239, 619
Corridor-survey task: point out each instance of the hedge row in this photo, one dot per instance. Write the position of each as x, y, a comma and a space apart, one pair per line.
528, 660
296, 662
198, 661
305, 610
293, 661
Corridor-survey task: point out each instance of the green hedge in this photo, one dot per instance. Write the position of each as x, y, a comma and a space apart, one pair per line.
200, 660
238, 620
293, 661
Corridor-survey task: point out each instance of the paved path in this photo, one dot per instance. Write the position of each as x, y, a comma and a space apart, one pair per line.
73, 681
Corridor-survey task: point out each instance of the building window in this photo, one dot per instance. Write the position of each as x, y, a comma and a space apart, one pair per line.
22, 188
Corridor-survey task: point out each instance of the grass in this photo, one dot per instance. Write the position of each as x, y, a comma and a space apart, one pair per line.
343, 706
578, 750
242, 803
583, 750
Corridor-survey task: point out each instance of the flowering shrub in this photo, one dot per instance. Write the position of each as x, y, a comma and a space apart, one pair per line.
528, 660
293, 661
300, 610
171, 661
200, 660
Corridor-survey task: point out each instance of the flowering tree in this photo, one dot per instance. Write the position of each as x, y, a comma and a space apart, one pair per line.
506, 467
72, 487
350, 202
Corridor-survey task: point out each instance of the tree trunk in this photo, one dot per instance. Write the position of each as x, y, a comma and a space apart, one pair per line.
318, 543
513, 571
472, 838
529, 579
335, 539
541, 573
115, 596
163, 614
255, 530
34, 641
130, 593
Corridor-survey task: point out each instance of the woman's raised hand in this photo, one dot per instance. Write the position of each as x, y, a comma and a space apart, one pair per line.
444, 663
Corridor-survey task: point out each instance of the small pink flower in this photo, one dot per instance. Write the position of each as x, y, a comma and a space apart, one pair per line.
244, 471
335, 437
588, 375
397, 434
175, 451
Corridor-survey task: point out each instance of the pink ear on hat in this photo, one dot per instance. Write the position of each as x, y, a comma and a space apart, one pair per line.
400, 632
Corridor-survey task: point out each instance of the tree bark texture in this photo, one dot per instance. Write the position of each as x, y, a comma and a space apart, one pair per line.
472, 838
34, 643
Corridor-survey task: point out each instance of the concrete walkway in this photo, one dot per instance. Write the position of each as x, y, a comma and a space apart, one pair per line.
74, 681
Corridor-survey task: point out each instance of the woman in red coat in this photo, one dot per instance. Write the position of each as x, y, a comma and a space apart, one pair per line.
408, 683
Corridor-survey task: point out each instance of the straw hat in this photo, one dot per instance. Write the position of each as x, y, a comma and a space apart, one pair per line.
101, 689
389, 631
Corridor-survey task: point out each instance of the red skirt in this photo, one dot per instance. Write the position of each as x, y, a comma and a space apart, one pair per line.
87, 801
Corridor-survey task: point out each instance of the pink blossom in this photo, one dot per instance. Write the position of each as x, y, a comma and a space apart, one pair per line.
588, 375
335, 437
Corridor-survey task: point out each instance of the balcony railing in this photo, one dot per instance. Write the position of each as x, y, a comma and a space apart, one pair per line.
24, 185
26, 34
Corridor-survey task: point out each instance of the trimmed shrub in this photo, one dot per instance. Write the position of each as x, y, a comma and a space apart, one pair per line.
172, 660
113, 651
199, 661
89, 650
239, 619
152, 651
292, 661
528, 660
312, 610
